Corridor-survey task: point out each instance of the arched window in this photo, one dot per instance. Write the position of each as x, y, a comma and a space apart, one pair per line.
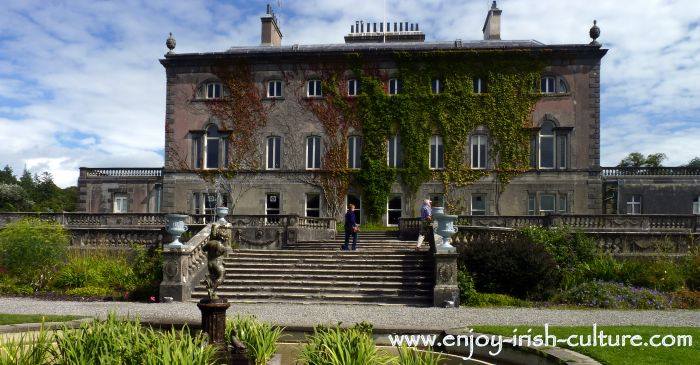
546, 144
210, 90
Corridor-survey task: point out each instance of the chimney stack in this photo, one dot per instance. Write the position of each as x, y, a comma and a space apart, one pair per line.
270, 34
492, 25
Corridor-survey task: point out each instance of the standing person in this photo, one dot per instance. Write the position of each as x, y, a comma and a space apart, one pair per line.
426, 218
351, 228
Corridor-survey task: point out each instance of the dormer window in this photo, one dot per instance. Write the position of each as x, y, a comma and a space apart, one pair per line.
353, 87
313, 89
437, 86
274, 89
213, 90
479, 85
395, 86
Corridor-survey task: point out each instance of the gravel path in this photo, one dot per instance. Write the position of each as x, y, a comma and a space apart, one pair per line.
384, 317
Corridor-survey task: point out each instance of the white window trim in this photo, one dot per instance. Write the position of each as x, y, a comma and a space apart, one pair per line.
313, 155
117, 206
395, 148
554, 205
546, 89
634, 203
696, 206
479, 138
436, 138
539, 150
213, 84
278, 150
279, 203
277, 88
400, 210
355, 141
438, 89
479, 85
356, 84
306, 204
396, 86
205, 144
318, 90
471, 203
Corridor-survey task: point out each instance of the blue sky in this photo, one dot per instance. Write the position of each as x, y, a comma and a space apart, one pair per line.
80, 82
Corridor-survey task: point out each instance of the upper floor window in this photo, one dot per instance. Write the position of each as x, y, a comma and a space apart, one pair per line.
436, 86
274, 89
212, 147
546, 146
354, 152
120, 203
437, 153
353, 87
394, 153
479, 84
395, 86
313, 88
552, 85
634, 204
696, 205
313, 152
274, 146
478, 143
213, 90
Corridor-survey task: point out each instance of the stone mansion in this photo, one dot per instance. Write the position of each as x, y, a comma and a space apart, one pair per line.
251, 128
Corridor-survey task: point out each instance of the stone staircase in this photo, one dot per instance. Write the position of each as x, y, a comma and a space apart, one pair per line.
384, 270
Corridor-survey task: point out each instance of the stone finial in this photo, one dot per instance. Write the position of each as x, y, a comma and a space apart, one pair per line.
594, 33
170, 43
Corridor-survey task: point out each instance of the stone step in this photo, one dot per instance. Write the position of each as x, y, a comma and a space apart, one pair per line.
370, 266
313, 282
379, 261
319, 298
330, 254
323, 290
337, 271
252, 275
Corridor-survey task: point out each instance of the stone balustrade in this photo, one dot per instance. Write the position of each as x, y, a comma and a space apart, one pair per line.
184, 267
649, 171
122, 172
87, 220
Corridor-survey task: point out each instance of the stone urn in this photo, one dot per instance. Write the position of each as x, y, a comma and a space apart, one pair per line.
222, 212
445, 228
176, 227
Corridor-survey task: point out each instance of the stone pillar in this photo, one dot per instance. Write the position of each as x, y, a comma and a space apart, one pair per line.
446, 288
175, 282
214, 319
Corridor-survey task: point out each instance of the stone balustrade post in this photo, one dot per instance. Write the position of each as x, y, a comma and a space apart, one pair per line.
176, 283
446, 288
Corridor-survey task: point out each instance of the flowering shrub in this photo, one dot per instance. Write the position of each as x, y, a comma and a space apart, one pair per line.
599, 294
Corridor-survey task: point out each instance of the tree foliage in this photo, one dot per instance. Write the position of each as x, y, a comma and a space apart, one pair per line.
636, 159
36, 193
694, 163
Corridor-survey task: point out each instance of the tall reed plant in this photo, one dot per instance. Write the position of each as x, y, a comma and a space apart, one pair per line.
342, 346
26, 350
260, 338
413, 356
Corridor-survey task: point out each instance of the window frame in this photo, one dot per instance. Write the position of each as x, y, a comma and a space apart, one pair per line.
472, 210
120, 203
355, 160
634, 200
394, 145
437, 86
390, 210
479, 85
540, 137
317, 88
354, 85
394, 86
479, 137
213, 84
307, 208
205, 147
437, 141
554, 203
315, 162
696, 205
276, 152
277, 94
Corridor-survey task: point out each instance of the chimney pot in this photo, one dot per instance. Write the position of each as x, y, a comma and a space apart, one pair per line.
270, 33
492, 25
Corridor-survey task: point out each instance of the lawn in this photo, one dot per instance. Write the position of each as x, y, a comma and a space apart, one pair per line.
620, 355
32, 318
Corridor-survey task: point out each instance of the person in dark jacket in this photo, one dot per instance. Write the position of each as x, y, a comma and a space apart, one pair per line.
351, 228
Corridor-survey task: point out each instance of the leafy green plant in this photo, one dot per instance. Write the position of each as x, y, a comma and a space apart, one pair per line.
413, 356
177, 347
467, 291
98, 271
662, 274
9, 285
26, 350
32, 249
342, 346
599, 294
260, 338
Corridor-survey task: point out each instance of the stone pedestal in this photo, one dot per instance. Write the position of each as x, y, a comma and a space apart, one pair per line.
446, 288
214, 319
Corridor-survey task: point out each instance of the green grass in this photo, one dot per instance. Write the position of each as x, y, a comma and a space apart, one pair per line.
620, 355
32, 318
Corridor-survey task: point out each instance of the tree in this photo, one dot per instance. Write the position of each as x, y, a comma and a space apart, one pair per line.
26, 181
7, 176
694, 163
636, 159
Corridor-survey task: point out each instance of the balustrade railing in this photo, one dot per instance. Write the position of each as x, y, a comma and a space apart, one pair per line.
317, 223
649, 171
183, 266
123, 172
91, 220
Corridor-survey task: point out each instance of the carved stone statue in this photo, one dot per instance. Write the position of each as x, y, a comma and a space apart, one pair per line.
215, 248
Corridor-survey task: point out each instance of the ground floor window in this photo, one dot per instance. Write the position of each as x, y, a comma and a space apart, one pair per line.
121, 204
634, 204
437, 200
478, 204
393, 211
206, 203
355, 200
313, 205
696, 205
547, 203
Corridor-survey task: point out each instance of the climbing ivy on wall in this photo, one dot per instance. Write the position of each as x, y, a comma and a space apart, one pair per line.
416, 114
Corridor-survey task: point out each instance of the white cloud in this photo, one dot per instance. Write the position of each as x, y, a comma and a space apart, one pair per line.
91, 68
